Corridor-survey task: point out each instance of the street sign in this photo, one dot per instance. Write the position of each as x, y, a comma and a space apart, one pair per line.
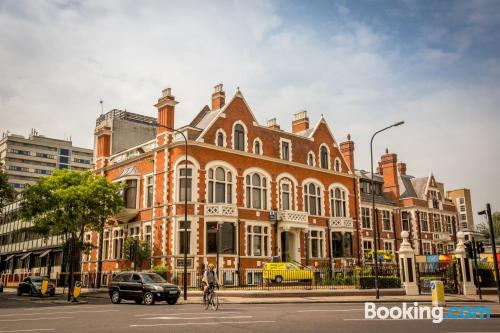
77, 289
273, 215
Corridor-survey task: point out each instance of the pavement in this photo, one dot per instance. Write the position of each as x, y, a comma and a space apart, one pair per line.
27, 314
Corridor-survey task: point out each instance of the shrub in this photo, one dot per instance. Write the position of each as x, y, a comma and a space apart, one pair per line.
384, 282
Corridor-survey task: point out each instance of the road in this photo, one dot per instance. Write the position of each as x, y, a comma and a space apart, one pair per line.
25, 314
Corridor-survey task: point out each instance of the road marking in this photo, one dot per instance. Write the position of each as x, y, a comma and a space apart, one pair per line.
51, 313
326, 310
183, 313
26, 319
197, 318
33, 330
208, 323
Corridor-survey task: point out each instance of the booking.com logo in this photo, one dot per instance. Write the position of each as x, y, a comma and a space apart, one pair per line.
417, 312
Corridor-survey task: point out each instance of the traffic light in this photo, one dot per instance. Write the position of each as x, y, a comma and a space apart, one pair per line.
468, 249
480, 247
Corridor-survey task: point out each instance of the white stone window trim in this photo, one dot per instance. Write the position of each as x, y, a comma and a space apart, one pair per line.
382, 211
331, 191
224, 138
193, 229
228, 167
263, 174
145, 190
311, 157
290, 149
245, 135
322, 232
319, 184
138, 187
261, 145
293, 189
220, 221
195, 167
329, 163
262, 225
337, 164
370, 217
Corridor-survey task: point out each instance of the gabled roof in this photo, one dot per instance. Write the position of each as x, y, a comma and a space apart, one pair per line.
406, 188
419, 186
199, 117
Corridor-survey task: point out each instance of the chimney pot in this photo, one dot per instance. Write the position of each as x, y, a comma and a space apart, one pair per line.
167, 92
402, 168
272, 123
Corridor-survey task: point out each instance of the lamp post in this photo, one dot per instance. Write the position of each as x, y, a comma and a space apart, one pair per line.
487, 212
375, 228
185, 201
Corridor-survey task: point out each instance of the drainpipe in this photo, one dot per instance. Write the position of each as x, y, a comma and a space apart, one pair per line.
330, 245
239, 255
419, 232
395, 239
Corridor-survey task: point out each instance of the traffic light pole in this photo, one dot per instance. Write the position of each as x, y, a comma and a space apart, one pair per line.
494, 248
478, 278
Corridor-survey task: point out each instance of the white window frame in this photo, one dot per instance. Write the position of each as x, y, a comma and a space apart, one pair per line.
365, 249
265, 245
389, 215
224, 138
422, 214
424, 251
261, 145
333, 199
329, 163
337, 165
226, 182
263, 188
318, 197
146, 188
290, 149
320, 241
364, 216
245, 136
313, 159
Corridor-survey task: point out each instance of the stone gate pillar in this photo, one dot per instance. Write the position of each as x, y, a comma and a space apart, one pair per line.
466, 276
407, 266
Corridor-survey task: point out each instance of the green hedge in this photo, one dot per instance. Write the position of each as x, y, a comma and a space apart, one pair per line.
384, 282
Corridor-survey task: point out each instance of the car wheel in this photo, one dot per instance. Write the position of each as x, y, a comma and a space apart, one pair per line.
138, 301
149, 298
278, 279
19, 293
171, 301
115, 297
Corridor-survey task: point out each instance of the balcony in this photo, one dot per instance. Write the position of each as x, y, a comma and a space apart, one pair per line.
221, 210
293, 219
442, 236
341, 223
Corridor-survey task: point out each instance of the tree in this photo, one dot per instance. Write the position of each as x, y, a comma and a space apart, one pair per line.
484, 229
68, 203
7, 193
136, 251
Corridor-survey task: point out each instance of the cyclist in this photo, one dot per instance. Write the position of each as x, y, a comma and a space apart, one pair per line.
210, 279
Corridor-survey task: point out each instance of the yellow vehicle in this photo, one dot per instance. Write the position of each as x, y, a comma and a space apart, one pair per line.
286, 271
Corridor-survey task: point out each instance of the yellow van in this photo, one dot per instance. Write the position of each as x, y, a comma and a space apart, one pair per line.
286, 271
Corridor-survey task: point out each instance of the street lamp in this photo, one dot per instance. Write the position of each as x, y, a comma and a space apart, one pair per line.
375, 222
487, 212
185, 200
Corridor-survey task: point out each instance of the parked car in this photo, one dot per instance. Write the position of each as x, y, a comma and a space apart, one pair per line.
1, 286
33, 285
286, 271
142, 287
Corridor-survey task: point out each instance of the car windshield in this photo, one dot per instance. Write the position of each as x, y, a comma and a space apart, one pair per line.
152, 278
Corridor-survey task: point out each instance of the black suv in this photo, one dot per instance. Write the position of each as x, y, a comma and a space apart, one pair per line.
142, 287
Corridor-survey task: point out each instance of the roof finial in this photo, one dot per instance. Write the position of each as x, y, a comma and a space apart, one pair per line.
387, 150
348, 137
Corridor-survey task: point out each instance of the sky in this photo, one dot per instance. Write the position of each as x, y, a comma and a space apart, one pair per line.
361, 64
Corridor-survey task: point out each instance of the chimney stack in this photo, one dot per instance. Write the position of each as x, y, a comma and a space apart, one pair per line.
218, 97
390, 172
402, 168
300, 122
272, 123
347, 149
166, 107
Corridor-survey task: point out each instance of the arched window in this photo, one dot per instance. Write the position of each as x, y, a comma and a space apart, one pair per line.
324, 157
337, 165
220, 185
220, 139
338, 202
256, 191
310, 159
257, 147
286, 195
312, 199
239, 137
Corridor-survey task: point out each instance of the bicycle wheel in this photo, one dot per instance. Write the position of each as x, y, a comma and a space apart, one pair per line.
215, 301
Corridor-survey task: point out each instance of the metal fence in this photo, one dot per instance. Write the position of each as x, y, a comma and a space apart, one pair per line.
349, 277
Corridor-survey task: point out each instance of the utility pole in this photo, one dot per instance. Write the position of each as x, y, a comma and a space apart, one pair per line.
487, 212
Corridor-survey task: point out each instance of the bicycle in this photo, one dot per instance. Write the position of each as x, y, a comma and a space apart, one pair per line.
211, 298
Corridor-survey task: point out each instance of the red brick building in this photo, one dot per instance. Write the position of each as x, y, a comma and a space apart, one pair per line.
239, 172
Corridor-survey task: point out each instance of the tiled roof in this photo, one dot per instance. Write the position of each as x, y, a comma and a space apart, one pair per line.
419, 185
406, 189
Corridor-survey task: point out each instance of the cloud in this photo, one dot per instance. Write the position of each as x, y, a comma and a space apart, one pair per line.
60, 58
